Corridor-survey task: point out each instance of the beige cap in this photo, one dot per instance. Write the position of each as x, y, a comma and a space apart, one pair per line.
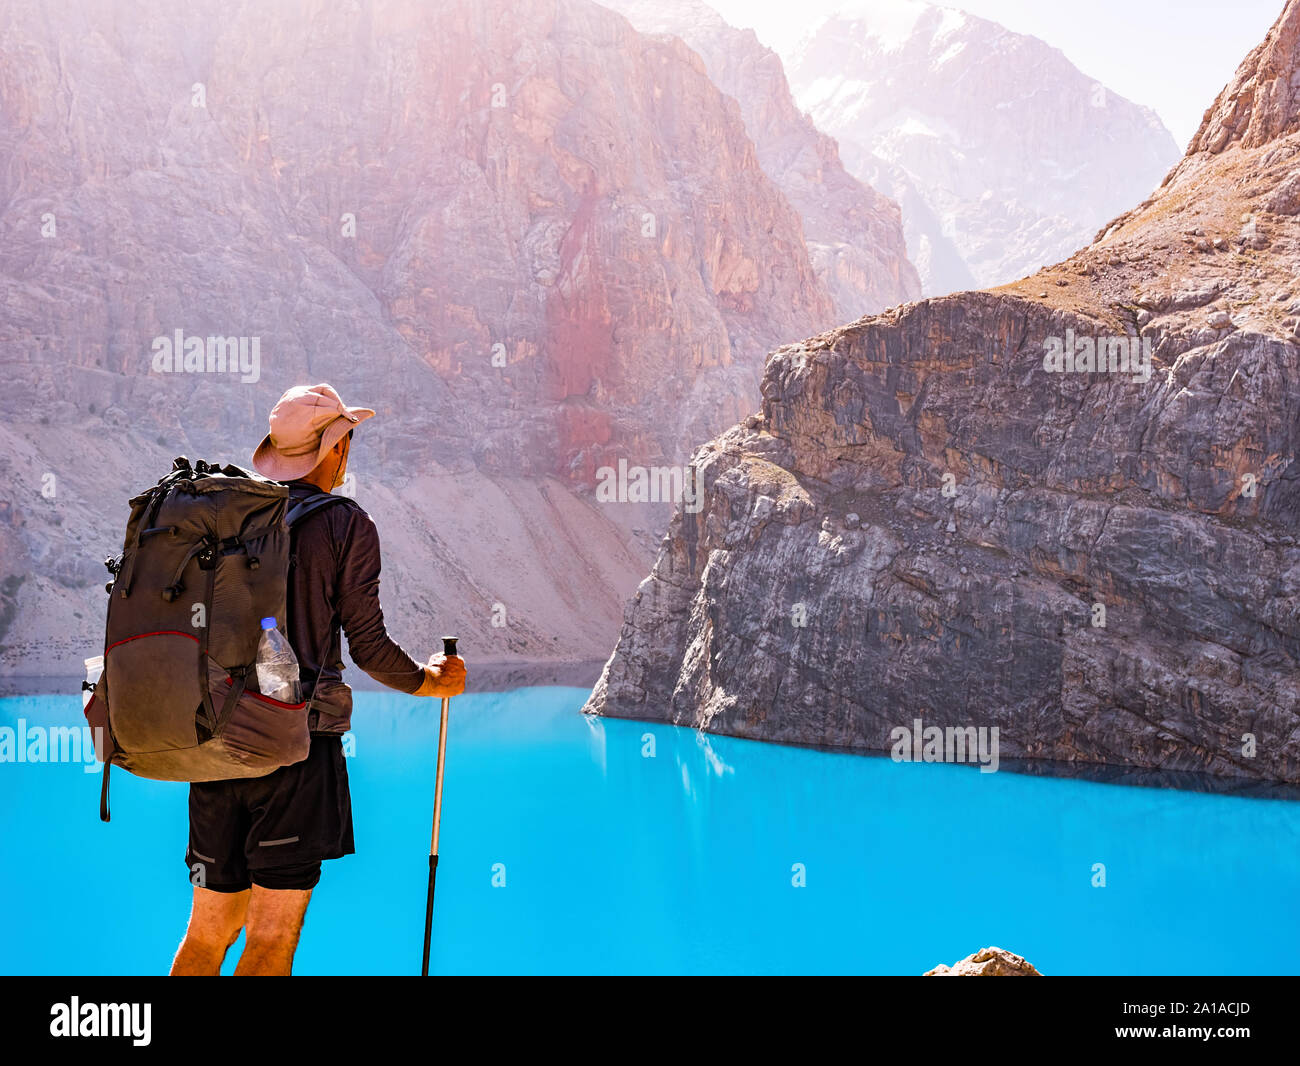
306, 422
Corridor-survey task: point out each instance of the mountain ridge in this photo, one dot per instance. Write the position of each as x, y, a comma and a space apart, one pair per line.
993, 131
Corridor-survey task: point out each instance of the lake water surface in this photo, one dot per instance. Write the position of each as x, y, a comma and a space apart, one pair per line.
566, 849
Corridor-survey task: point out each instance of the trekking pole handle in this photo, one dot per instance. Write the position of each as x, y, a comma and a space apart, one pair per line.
449, 646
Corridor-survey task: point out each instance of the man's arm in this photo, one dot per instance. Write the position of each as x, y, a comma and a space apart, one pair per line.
362, 618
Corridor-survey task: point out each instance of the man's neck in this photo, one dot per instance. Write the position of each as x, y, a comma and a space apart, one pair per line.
318, 480
328, 472
324, 476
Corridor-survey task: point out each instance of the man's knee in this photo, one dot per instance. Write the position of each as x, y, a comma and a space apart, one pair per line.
275, 928
272, 941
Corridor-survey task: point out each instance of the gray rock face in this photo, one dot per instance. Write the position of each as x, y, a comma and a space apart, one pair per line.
503, 203
536, 240
924, 522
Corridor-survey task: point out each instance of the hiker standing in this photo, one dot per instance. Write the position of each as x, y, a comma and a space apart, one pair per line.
261, 840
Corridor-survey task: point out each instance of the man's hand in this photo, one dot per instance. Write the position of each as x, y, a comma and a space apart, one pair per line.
443, 677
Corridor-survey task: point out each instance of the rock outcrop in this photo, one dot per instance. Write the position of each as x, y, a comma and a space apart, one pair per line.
927, 521
536, 240
854, 234
1004, 155
989, 962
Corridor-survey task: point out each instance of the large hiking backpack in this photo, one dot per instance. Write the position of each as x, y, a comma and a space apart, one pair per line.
205, 558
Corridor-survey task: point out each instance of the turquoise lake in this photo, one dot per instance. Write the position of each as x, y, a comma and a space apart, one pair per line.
684, 862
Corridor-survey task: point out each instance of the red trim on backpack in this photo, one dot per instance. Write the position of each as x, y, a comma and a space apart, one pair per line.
160, 633
276, 703
267, 699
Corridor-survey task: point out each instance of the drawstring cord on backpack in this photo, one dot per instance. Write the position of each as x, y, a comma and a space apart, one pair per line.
173, 588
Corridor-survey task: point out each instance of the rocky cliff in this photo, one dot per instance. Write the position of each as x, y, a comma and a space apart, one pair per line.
1004, 155
854, 234
534, 239
938, 516
987, 962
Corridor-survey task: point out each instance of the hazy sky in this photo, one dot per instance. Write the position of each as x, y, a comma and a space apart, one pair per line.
1172, 55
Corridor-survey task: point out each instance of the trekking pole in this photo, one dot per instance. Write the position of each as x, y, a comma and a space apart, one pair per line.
449, 650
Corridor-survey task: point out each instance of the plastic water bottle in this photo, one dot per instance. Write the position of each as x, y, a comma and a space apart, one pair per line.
277, 666
94, 670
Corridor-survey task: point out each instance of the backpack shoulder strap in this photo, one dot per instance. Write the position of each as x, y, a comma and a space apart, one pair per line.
298, 510
309, 505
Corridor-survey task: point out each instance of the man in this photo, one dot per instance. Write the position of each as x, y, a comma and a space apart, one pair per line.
261, 840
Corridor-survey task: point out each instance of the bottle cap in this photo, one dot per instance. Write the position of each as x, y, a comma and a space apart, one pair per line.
268, 623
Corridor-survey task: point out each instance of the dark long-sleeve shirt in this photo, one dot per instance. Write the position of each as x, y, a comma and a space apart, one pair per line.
333, 581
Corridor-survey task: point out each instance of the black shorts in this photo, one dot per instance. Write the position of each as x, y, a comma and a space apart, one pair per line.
272, 831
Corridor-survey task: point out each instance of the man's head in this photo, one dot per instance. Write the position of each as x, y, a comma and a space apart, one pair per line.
309, 438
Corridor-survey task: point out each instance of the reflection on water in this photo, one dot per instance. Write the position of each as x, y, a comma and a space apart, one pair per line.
1139, 777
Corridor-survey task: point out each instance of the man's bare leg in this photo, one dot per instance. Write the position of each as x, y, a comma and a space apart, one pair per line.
215, 921
273, 923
